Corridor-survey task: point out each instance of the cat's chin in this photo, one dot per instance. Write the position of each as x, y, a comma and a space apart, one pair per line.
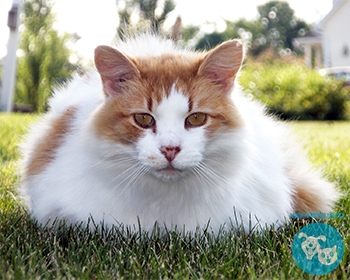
169, 173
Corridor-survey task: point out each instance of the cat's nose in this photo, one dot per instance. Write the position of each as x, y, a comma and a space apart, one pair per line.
170, 152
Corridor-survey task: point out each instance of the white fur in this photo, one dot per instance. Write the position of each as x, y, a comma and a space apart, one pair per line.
235, 177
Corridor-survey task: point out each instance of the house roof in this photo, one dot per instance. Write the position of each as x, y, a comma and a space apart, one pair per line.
312, 37
334, 10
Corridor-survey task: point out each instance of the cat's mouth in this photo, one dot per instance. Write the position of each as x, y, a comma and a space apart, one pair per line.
169, 172
170, 169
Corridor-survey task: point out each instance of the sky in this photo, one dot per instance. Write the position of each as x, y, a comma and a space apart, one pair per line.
95, 21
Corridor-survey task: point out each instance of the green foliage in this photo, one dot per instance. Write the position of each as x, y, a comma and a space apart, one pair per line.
239, 29
280, 27
44, 56
276, 28
147, 10
28, 251
189, 32
292, 91
208, 41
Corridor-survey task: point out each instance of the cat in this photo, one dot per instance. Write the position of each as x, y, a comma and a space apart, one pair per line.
160, 133
328, 256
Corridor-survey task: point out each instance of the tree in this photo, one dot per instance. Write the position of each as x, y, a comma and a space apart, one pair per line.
281, 27
276, 29
189, 32
150, 13
44, 57
246, 30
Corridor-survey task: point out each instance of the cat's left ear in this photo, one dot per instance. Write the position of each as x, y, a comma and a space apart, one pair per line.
115, 68
222, 64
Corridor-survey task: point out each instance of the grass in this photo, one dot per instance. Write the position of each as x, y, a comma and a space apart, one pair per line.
28, 251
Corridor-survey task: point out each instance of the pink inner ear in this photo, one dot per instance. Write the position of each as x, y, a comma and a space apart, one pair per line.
114, 84
111, 87
223, 79
219, 75
222, 64
115, 69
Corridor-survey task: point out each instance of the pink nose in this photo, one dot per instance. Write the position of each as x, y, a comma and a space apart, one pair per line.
170, 152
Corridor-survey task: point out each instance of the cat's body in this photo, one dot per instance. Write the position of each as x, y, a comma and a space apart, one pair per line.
168, 137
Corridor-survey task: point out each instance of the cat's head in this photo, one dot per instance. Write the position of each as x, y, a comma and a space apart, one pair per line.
328, 256
173, 108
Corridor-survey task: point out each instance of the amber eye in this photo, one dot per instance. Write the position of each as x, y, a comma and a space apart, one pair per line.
196, 119
144, 120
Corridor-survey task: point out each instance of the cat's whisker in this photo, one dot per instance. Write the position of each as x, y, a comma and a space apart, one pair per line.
251, 193
137, 172
214, 174
133, 176
114, 154
202, 171
210, 177
115, 159
133, 168
208, 174
202, 177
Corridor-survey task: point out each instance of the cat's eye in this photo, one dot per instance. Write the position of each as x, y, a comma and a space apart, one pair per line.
196, 119
144, 120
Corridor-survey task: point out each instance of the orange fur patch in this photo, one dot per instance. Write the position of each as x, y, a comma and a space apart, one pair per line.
115, 122
44, 152
306, 201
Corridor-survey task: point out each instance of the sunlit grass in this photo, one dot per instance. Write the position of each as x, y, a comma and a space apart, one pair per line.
12, 129
30, 252
328, 145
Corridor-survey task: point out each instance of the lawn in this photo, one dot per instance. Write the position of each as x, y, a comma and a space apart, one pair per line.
28, 251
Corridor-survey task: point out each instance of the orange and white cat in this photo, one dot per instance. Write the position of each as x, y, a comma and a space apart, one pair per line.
163, 134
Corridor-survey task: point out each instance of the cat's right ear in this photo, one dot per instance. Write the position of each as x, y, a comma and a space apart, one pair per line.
222, 64
115, 69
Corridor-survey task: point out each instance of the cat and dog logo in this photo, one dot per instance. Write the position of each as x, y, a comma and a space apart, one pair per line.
318, 248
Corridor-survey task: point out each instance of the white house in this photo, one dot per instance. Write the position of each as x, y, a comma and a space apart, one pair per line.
329, 44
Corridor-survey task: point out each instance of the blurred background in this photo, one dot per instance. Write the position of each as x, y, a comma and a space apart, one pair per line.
298, 60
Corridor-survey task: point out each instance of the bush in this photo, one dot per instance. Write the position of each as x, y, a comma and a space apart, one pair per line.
292, 91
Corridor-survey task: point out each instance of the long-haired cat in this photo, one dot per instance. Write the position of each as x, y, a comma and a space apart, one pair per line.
163, 134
